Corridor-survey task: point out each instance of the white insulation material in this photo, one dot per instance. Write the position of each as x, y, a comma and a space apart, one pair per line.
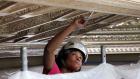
103, 71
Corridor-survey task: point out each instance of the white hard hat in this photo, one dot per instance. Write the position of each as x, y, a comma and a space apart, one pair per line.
77, 45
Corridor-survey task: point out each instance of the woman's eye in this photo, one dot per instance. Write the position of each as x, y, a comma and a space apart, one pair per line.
80, 57
73, 53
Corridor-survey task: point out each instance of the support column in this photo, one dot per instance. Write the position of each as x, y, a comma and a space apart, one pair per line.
24, 61
103, 54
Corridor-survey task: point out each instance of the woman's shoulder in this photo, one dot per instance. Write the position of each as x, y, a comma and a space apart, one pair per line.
55, 69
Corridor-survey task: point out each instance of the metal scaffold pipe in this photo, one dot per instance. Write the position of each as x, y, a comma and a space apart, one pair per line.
24, 61
103, 53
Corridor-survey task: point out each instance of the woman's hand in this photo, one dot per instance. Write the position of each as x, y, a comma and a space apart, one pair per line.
79, 23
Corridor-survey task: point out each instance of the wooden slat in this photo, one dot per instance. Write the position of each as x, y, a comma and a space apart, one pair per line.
16, 15
105, 6
15, 7
17, 36
28, 23
5, 4
86, 43
57, 29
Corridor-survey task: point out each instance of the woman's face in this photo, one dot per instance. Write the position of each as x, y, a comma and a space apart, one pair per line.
74, 61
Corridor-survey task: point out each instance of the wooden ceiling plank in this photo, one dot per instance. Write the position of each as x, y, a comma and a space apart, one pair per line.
93, 5
32, 22
94, 43
6, 4
17, 36
57, 29
15, 7
91, 27
16, 15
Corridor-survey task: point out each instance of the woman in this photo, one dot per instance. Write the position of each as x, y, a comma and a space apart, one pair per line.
72, 55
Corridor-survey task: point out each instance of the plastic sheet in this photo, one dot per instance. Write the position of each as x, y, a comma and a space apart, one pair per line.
103, 71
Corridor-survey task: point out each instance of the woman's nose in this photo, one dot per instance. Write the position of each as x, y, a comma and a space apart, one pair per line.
79, 58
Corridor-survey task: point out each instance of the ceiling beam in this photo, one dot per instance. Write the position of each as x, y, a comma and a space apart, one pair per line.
20, 37
16, 15
118, 3
53, 24
115, 19
4, 4
90, 28
106, 6
32, 22
54, 31
22, 34
65, 23
98, 38
14, 7
17, 36
113, 32
56, 23
93, 43
113, 42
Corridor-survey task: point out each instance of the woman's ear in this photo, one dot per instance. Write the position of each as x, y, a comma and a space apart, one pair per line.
63, 63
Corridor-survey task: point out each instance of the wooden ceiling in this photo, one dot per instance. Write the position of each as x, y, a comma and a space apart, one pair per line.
33, 22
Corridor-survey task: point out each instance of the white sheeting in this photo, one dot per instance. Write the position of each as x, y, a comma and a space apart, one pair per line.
103, 71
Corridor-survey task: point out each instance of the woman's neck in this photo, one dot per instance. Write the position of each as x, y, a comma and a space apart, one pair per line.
65, 70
